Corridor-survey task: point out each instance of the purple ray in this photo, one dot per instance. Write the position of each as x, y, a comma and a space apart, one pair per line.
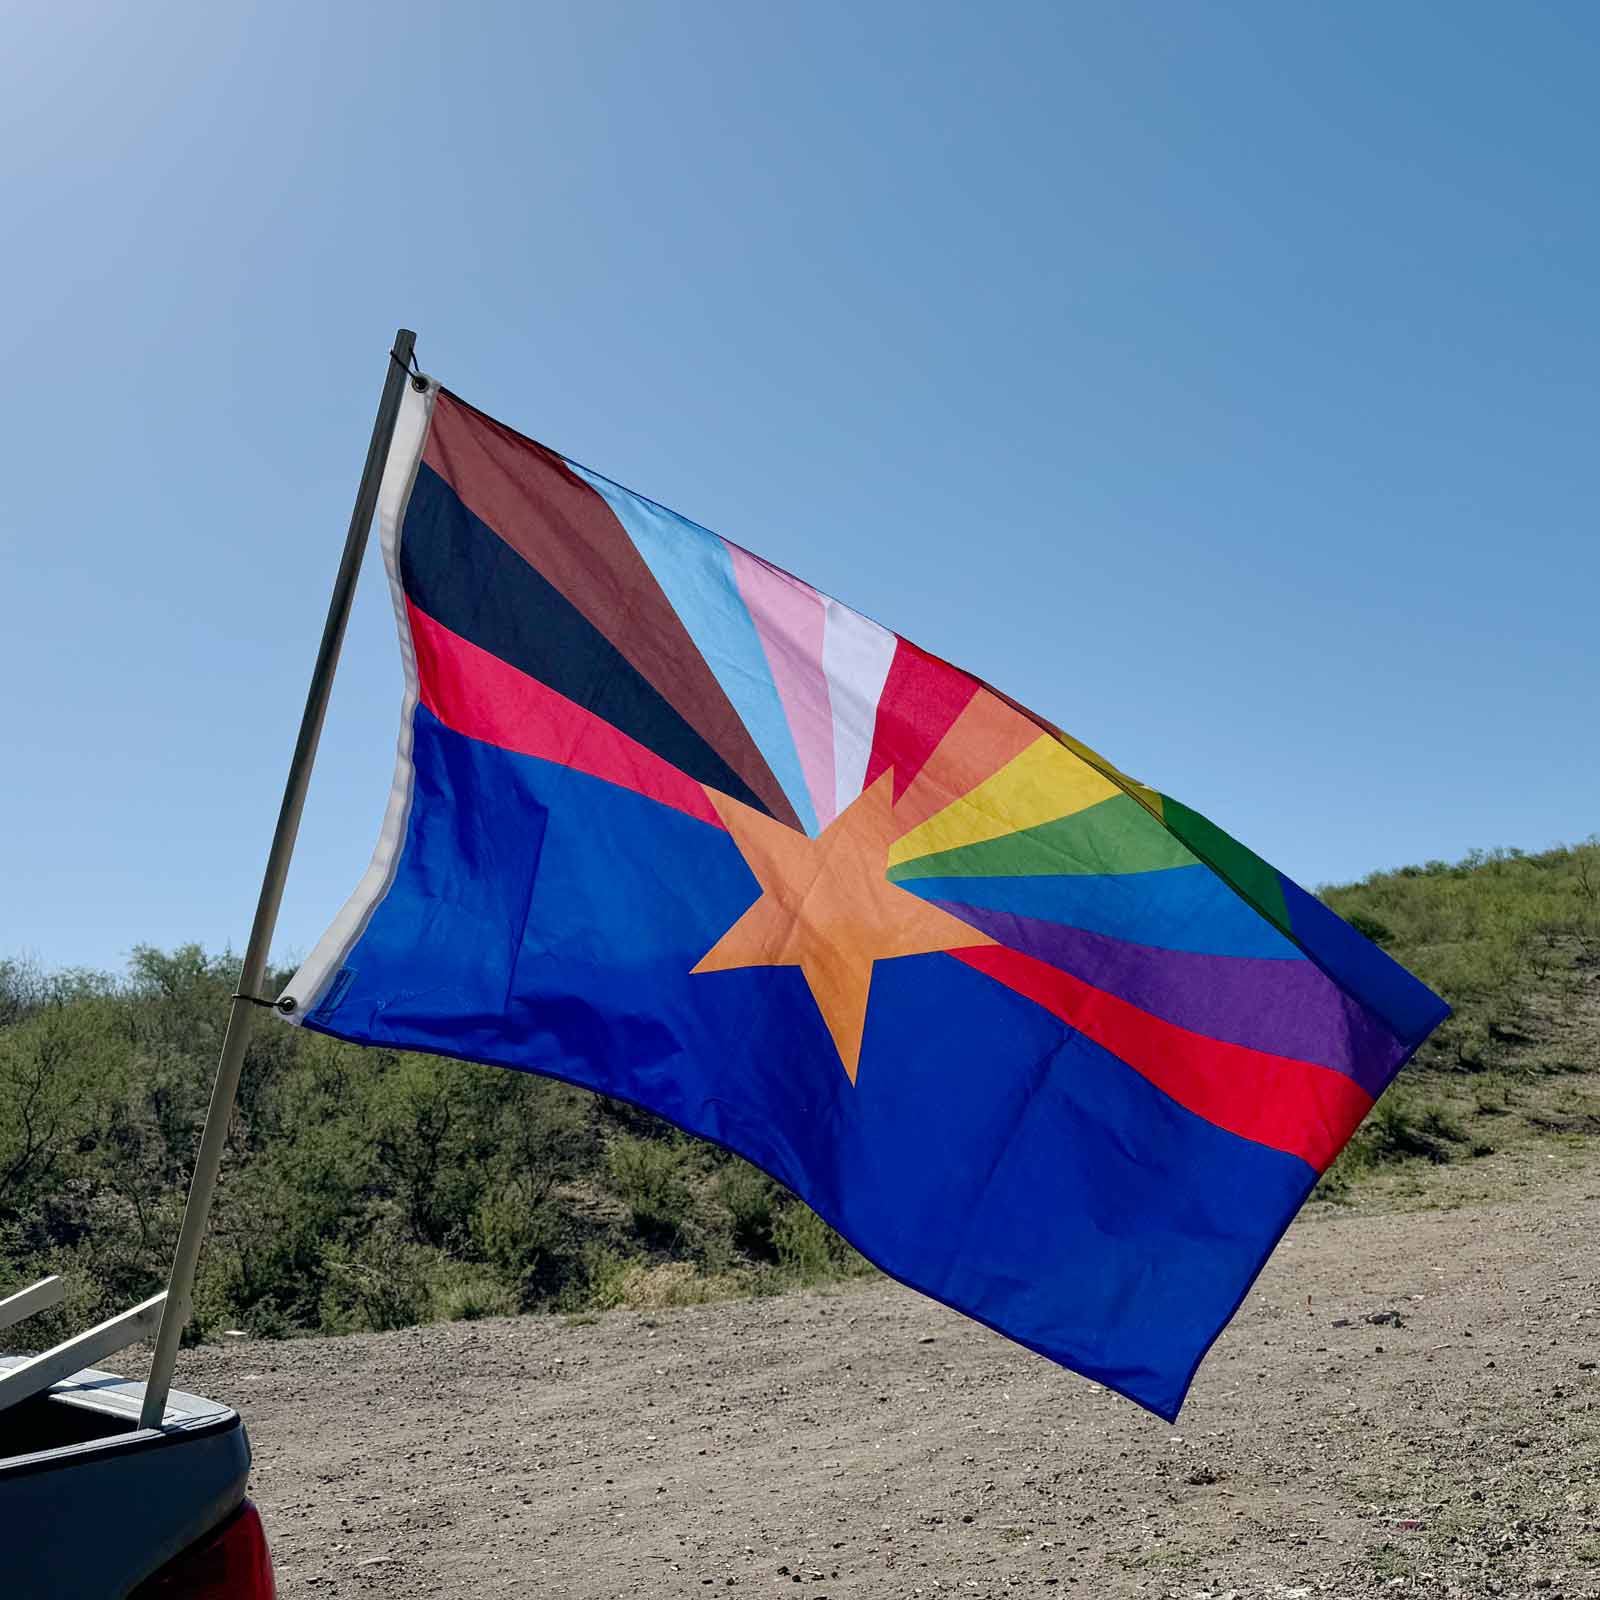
1291, 1008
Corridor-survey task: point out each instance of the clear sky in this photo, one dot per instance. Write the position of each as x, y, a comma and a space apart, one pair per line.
1220, 380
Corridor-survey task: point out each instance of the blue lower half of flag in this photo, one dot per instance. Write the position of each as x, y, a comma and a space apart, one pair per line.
988, 1154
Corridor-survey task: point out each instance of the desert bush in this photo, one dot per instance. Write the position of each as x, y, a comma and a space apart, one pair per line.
1380, 933
464, 1293
604, 1282
515, 1228
805, 1244
1398, 1129
380, 1281
651, 1177
751, 1199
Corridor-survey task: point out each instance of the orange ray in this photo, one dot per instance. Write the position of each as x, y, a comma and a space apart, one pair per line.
986, 735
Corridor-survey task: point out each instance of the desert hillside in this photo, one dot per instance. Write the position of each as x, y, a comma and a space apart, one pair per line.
366, 1190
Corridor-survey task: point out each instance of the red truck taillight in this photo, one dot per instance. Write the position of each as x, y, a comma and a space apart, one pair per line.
231, 1563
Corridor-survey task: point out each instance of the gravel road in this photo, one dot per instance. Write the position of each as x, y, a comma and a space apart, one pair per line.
869, 1442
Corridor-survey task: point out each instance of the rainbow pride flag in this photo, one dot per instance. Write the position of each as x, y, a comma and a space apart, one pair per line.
668, 823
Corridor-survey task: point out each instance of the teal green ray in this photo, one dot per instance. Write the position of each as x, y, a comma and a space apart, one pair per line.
1255, 880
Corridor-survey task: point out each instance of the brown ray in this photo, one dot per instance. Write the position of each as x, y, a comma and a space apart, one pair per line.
558, 524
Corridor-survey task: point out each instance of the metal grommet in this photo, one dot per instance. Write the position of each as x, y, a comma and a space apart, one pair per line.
287, 1004
419, 383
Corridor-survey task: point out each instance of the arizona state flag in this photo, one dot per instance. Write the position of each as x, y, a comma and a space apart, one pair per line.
670, 824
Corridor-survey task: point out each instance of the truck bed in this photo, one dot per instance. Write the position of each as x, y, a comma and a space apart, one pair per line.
91, 1503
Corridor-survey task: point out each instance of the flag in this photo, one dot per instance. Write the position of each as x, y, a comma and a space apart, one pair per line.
669, 823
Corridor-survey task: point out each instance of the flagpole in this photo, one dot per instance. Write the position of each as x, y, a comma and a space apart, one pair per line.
241, 1015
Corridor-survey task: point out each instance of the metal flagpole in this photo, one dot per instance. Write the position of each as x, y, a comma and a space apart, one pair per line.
241, 1016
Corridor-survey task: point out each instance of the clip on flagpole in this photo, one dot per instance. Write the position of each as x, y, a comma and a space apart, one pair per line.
241, 1014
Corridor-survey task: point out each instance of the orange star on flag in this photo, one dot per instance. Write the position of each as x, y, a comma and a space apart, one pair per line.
827, 907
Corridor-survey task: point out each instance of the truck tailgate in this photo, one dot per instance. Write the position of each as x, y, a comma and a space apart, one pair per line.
91, 1504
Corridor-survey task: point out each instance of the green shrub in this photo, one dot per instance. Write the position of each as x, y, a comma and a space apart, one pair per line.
805, 1244
751, 1198
651, 1178
606, 1273
1380, 933
1398, 1129
463, 1293
267, 1320
379, 1282
515, 1228
1491, 1096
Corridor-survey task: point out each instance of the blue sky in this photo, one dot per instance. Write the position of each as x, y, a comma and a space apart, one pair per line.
1219, 380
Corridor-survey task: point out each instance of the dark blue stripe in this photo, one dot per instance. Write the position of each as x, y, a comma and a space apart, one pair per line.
1407, 1004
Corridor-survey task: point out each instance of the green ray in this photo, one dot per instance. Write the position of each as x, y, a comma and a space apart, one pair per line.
1116, 835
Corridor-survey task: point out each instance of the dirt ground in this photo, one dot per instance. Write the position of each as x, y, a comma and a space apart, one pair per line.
869, 1442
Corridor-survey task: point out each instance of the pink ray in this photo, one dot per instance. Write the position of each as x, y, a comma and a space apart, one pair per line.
789, 618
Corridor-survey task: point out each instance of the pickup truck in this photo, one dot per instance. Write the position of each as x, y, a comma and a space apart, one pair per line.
94, 1507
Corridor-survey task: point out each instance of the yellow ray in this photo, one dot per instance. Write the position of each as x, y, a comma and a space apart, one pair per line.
1045, 782
986, 735
1149, 798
